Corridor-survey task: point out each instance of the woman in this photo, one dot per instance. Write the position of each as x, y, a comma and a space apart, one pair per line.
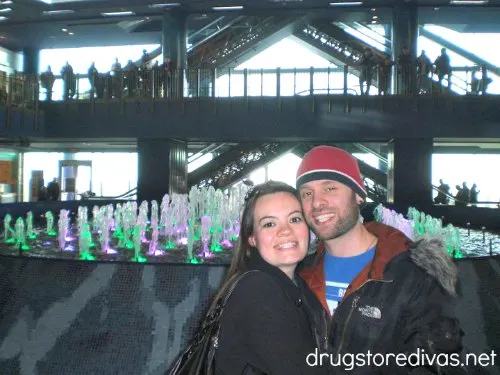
272, 321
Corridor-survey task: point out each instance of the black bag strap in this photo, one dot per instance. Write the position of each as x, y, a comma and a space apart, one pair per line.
230, 286
213, 317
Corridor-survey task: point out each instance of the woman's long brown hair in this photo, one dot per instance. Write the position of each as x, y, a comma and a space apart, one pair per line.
241, 253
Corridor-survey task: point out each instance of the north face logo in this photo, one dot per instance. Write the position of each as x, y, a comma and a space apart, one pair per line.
371, 312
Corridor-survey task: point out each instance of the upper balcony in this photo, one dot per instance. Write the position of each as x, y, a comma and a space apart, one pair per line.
260, 105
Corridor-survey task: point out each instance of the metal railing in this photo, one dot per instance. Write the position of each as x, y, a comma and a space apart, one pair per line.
22, 90
452, 200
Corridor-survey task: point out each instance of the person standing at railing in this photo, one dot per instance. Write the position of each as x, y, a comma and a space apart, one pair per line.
3, 88
367, 64
100, 84
384, 76
93, 75
145, 74
443, 192
145, 59
462, 198
155, 73
131, 78
473, 194
47, 82
166, 77
145, 80
424, 68
116, 79
479, 86
69, 81
443, 67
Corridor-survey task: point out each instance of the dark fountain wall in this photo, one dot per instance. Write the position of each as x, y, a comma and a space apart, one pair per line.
106, 318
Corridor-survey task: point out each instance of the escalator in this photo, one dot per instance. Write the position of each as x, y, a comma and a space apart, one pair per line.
340, 32
342, 47
210, 148
237, 162
367, 35
244, 39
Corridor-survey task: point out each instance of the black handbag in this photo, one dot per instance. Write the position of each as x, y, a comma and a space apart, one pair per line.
198, 357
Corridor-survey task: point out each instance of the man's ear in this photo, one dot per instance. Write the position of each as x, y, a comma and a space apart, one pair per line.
359, 199
251, 241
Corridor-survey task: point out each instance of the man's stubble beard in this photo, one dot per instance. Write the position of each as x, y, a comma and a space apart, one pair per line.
345, 222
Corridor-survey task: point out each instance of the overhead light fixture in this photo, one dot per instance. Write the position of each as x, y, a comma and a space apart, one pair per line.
468, 2
234, 7
375, 17
346, 3
2, 18
65, 30
6, 2
164, 5
52, 12
5, 10
127, 13
70, 33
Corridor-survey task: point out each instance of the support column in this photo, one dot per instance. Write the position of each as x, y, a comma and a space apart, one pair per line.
162, 167
174, 39
405, 34
409, 178
31, 60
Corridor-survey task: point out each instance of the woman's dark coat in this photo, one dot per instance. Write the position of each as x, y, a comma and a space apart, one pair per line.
270, 324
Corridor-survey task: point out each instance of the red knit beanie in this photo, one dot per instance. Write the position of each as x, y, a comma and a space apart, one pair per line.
331, 163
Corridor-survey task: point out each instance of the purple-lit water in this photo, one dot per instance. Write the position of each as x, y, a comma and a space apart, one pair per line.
45, 246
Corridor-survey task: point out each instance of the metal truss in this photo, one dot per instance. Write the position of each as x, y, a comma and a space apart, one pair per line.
376, 192
221, 174
235, 41
338, 50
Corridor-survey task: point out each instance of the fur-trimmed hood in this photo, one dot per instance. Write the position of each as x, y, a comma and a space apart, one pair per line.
430, 255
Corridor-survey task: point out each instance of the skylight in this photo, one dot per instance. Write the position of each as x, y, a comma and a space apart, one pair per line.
164, 5
54, 2
61, 11
126, 13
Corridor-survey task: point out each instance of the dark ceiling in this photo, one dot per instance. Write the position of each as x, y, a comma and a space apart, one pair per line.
27, 26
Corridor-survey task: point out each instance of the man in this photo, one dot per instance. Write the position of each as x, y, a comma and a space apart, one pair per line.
385, 293
443, 67
47, 80
367, 64
424, 68
443, 193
